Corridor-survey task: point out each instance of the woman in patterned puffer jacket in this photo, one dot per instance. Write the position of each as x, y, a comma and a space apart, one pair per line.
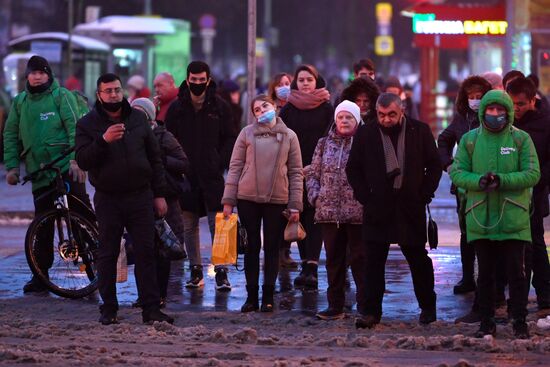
339, 214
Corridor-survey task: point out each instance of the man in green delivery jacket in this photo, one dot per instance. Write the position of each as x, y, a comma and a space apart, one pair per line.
40, 126
497, 166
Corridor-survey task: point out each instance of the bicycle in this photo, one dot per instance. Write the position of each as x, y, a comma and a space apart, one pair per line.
70, 269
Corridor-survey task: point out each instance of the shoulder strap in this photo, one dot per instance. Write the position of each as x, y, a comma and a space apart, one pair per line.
19, 101
471, 142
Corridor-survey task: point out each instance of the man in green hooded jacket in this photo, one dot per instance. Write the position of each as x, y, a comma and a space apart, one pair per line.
40, 126
497, 166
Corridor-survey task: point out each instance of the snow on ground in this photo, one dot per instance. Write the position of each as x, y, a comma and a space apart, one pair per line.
60, 332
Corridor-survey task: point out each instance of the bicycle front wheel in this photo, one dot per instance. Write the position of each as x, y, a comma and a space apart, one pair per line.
63, 257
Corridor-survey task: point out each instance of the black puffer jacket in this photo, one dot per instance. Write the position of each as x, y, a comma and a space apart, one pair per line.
130, 164
446, 141
207, 137
174, 160
537, 124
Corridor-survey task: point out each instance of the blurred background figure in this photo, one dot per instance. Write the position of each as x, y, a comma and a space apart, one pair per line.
494, 79
166, 92
231, 93
364, 92
364, 68
541, 101
393, 85
279, 89
136, 88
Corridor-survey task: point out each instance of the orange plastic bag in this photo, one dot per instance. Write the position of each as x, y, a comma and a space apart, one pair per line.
224, 249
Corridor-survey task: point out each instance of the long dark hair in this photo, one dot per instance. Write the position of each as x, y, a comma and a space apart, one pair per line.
462, 106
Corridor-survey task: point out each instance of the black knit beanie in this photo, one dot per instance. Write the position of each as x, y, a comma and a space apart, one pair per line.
38, 63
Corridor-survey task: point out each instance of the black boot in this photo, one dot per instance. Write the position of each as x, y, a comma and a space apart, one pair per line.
267, 298
521, 330
487, 327
300, 280
251, 303
464, 286
311, 279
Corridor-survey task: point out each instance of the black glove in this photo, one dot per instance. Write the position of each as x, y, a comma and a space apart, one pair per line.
489, 182
484, 182
494, 184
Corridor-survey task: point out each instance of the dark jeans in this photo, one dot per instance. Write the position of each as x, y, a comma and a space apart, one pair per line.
251, 215
421, 270
536, 262
135, 213
44, 248
512, 259
310, 247
343, 246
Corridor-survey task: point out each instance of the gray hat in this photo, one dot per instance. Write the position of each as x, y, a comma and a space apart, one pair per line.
146, 106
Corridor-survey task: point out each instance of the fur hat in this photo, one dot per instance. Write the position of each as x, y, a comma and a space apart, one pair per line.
350, 107
147, 106
38, 63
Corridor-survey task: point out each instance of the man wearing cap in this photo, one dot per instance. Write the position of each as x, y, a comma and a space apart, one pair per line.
394, 170
40, 126
496, 166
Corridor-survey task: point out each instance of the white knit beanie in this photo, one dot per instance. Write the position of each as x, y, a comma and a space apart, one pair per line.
350, 107
146, 105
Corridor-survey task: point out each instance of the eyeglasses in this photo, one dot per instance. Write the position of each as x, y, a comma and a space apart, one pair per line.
110, 91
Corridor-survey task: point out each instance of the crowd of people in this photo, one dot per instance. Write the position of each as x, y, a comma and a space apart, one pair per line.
357, 173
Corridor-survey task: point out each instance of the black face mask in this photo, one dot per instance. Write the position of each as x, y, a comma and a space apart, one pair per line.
197, 89
111, 107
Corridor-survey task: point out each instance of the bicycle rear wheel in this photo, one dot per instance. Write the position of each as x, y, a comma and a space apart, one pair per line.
67, 268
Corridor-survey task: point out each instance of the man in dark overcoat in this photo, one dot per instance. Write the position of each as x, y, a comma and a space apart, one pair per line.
394, 170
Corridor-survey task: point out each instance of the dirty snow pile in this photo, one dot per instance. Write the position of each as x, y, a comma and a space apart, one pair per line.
60, 332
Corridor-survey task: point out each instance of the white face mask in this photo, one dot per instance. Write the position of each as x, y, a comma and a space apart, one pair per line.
474, 104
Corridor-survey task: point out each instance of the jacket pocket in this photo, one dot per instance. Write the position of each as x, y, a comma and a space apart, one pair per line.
245, 169
477, 215
515, 215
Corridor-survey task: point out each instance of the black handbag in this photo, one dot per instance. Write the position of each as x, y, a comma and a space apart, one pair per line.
170, 247
242, 242
432, 231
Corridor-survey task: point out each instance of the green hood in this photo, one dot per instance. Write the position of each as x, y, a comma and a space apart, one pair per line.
499, 97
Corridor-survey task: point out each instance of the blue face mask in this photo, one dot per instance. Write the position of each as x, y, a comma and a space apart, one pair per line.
282, 92
495, 123
267, 117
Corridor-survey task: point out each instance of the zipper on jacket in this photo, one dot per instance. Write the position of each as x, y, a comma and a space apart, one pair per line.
339, 213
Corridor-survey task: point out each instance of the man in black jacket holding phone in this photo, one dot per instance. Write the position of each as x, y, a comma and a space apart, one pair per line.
116, 145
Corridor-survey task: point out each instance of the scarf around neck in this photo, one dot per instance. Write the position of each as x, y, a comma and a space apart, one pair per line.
308, 101
395, 162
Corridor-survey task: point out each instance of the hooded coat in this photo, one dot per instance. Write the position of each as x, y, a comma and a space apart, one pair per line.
207, 137
502, 214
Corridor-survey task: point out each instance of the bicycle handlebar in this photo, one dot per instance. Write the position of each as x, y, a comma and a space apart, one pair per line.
47, 166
